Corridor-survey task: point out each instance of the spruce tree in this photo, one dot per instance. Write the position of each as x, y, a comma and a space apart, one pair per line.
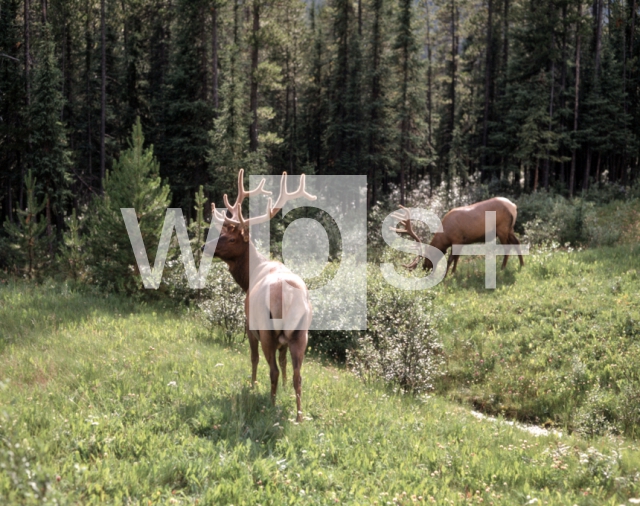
49, 157
73, 254
12, 108
134, 181
409, 105
198, 225
188, 114
26, 236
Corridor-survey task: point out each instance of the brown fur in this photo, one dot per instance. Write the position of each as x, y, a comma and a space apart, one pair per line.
466, 225
287, 294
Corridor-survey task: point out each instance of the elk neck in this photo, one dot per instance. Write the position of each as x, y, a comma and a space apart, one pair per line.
441, 242
241, 266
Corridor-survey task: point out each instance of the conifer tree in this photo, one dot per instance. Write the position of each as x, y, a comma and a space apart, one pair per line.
315, 99
12, 107
409, 102
49, 156
198, 225
27, 234
73, 254
379, 157
134, 181
188, 112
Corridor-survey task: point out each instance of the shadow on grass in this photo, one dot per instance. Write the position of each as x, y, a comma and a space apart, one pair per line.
245, 415
470, 275
31, 310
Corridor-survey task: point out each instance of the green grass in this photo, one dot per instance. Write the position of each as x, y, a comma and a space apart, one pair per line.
104, 400
558, 342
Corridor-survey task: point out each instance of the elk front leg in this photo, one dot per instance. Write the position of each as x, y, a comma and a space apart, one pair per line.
282, 359
514, 240
453, 259
298, 345
255, 355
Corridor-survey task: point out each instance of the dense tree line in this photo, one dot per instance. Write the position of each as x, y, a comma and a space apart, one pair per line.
525, 95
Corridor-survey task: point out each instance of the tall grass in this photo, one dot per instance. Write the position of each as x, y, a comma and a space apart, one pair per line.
104, 400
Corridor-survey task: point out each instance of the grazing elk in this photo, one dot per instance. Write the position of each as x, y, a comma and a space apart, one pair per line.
466, 225
277, 300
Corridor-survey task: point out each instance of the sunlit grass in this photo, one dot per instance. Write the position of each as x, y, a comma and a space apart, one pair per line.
556, 342
107, 400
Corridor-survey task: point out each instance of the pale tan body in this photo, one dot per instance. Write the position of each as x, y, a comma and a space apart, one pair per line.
277, 307
466, 225
278, 294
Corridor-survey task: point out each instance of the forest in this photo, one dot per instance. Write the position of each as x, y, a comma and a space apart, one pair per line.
521, 96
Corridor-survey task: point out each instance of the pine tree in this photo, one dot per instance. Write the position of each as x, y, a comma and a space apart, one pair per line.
379, 128
12, 107
26, 235
314, 96
409, 104
188, 114
198, 225
73, 255
49, 156
337, 128
134, 181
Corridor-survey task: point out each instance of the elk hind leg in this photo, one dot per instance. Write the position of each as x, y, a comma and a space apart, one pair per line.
282, 359
255, 355
269, 351
298, 346
505, 239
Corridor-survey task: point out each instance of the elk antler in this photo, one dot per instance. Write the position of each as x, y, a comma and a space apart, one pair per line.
405, 221
236, 209
236, 217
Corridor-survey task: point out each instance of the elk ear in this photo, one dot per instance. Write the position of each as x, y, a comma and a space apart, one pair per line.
245, 234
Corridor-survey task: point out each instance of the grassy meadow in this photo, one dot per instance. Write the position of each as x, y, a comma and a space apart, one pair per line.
108, 400
557, 343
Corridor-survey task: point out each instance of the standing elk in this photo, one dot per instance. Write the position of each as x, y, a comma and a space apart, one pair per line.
466, 225
276, 300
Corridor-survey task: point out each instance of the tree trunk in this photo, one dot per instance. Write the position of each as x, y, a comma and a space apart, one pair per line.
505, 41
404, 132
547, 160
487, 91
454, 54
587, 171
633, 28
429, 78
49, 227
576, 103
253, 99
103, 94
598, 36
214, 54
375, 97
27, 81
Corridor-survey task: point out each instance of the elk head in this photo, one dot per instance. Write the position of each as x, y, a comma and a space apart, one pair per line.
405, 221
234, 237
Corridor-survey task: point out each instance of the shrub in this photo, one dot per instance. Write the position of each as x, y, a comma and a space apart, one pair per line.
401, 344
597, 415
221, 305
